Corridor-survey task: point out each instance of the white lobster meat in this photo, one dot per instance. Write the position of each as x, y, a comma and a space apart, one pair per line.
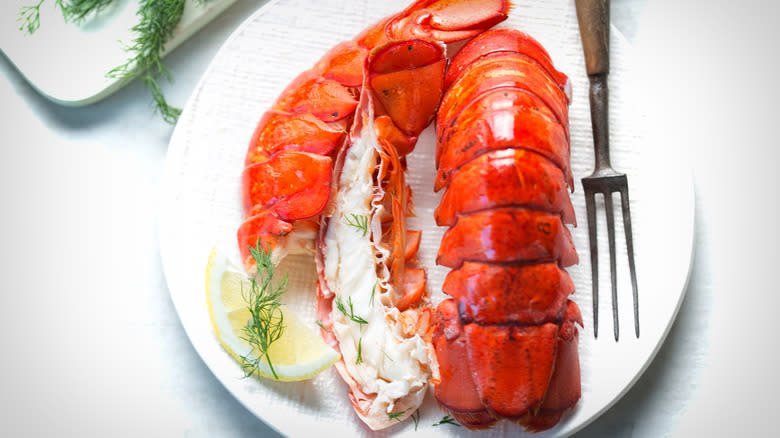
373, 301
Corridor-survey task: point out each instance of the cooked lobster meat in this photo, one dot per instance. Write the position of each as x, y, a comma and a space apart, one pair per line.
373, 302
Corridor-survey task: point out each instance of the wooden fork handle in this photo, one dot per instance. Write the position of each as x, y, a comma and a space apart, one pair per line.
593, 18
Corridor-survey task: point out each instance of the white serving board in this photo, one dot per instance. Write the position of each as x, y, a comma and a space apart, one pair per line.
68, 62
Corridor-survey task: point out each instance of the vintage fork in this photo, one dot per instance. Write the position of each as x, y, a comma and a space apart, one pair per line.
593, 18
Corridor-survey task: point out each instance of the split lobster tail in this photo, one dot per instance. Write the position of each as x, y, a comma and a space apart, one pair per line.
373, 302
287, 179
506, 341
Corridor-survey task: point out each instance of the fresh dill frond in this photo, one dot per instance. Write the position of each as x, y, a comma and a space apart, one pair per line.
397, 415
267, 323
359, 358
373, 292
76, 10
30, 18
447, 420
322, 326
73, 11
159, 18
416, 419
351, 313
359, 221
387, 356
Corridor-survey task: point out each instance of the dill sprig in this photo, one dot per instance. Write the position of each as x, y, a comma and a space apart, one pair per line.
159, 18
30, 18
359, 221
351, 313
77, 10
322, 326
373, 292
267, 323
447, 420
73, 11
396, 415
359, 358
416, 419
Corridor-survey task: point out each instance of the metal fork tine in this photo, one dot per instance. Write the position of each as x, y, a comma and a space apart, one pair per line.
612, 262
630, 248
590, 206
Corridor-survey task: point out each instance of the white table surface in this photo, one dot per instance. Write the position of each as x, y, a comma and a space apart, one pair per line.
91, 343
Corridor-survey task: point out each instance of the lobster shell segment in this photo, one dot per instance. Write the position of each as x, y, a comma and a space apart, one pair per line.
505, 40
493, 294
503, 118
294, 185
505, 69
506, 177
506, 341
317, 109
507, 235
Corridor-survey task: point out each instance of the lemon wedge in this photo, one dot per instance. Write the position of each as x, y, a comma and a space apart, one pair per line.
299, 353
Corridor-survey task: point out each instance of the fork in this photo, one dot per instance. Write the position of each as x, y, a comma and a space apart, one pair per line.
593, 18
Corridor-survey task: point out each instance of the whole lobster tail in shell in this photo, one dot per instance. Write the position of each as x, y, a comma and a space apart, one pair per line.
506, 341
373, 302
291, 154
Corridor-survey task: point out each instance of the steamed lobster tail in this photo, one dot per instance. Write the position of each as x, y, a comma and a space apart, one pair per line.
286, 183
373, 303
506, 341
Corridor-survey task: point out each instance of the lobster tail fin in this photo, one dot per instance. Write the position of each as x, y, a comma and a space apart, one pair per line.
456, 392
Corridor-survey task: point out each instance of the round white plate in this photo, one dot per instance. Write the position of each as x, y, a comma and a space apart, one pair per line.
202, 209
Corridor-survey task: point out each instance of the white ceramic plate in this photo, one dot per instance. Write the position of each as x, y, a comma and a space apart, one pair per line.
68, 62
201, 209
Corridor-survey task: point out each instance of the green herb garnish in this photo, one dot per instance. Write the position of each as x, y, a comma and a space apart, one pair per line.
447, 420
359, 359
359, 221
373, 291
73, 11
30, 17
267, 323
319, 323
396, 415
159, 18
351, 314
416, 418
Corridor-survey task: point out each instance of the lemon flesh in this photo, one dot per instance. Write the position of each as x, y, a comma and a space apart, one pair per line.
299, 354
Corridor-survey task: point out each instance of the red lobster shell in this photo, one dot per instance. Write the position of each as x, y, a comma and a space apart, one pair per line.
287, 179
506, 341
